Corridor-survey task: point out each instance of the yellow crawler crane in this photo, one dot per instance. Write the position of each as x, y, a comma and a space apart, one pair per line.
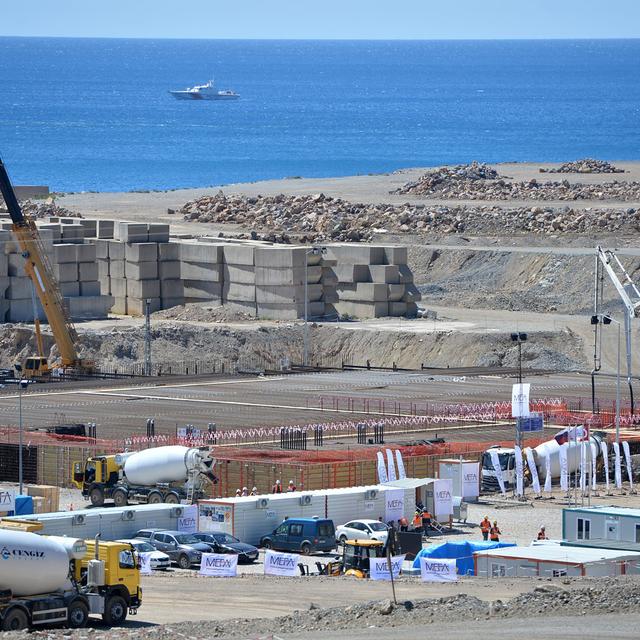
46, 287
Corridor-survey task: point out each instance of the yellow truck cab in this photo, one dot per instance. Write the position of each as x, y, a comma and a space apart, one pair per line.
97, 478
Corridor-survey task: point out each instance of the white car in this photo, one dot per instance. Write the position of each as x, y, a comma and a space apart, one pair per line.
362, 530
158, 560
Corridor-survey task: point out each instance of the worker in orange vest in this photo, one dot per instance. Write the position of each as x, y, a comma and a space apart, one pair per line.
417, 520
291, 487
495, 533
485, 527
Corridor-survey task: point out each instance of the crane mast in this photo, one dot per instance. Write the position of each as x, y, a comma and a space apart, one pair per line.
39, 270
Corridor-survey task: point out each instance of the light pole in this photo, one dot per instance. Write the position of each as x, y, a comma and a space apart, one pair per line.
519, 338
315, 251
21, 385
605, 319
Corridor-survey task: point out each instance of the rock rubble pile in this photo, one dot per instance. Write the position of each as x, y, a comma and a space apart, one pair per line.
585, 165
43, 209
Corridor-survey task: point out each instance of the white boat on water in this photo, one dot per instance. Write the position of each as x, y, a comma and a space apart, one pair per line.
204, 92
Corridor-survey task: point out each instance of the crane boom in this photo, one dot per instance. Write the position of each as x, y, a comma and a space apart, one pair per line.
39, 270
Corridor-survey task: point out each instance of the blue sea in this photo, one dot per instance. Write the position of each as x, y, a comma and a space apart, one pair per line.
95, 114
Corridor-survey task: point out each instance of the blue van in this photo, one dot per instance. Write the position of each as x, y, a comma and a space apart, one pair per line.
302, 535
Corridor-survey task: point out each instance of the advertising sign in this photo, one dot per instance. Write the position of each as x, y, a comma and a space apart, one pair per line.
520, 400
216, 517
145, 563
394, 505
382, 469
188, 522
219, 565
438, 570
7, 500
497, 467
281, 564
443, 497
470, 480
379, 567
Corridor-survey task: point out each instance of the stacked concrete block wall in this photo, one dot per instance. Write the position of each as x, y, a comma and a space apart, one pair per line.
239, 276
373, 281
201, 267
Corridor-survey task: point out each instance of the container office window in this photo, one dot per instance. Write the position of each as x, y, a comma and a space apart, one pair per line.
638, 534
559, 573
584, 529
498, 570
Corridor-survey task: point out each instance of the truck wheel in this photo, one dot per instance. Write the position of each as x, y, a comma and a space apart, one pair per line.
154, 498
96, 496
305, 549
267, 544
78, 615
120, 498
172, 498
184, 562
115, 611
15, 620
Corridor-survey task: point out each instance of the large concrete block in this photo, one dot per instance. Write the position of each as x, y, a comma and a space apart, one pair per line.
143, 288
395, 292
275, 311
352, 272
158, 232
355, 253
329, 276
118, 287
235, 292
362, 309
395, 254
201, 271
280, 257
172, 288
4, 265
141, 270
201, 252
89, 308
69, 289
288, 276
103, 268
66, 272
169, 270
102, 249
329, 294
283, 294
4, 285
411, 294
195, 290
388, 273
86, 252
87, 271
90, 227
406, 275
116, 250
119, 306
65, 253
363, 292
131, 232
22, 311
8, 242
15, 265
105, 229
72, 233
53, 229
141, 252
238, 254
116, 268
138, 306
90, 288
105, 286
169, 251
240, 274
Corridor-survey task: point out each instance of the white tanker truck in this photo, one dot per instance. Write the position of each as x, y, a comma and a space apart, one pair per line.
48, 580
165, 474
507, 458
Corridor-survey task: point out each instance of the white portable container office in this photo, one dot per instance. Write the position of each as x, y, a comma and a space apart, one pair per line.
249, 518
603, 527
554, 560
112, 523
425, 490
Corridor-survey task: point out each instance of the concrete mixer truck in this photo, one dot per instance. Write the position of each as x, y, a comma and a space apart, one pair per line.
507, 459
49, 580
171, 474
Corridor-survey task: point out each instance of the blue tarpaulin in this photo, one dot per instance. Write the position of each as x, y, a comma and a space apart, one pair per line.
24, 506
461, 551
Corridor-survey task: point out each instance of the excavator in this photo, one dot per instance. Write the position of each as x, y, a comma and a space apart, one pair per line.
38, 268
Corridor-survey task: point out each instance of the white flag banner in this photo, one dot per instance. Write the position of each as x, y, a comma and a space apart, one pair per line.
280, 564
145, 563
519, 471
438, 570
391, 466
402, 474
520, 400
394, 505
535, 480
605, 456
497, 467
594, 462
379, 567
627, 459
547, 473
583, 466
443, 497
470, 480
382, 469
188, 521
220, 565
564, 467
618, 466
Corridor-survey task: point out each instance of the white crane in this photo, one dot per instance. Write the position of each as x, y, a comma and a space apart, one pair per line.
608, 261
